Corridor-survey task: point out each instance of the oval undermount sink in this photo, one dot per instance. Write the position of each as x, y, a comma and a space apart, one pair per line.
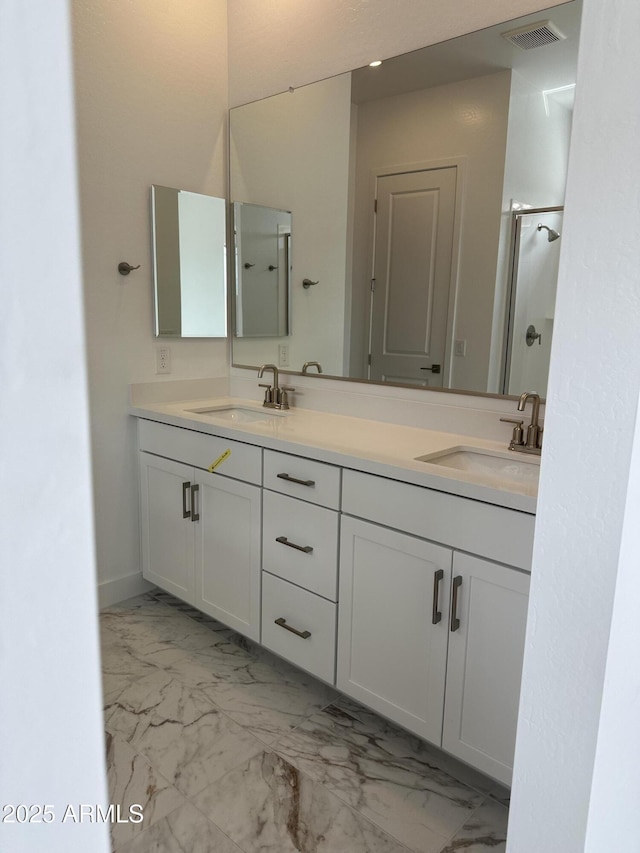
236, 414
505, 469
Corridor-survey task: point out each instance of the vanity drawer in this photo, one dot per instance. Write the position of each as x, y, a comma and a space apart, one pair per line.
306, 613
317, 482
304, 526
200, 450
501, 534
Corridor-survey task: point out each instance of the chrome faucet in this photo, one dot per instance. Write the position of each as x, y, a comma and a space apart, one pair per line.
275, 397
308, 364
533, 442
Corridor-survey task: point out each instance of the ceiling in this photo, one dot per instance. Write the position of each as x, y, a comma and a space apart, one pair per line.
477, 54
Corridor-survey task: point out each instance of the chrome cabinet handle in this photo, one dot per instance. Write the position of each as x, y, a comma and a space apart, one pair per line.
195, 515
455, 622
290, 479
186, 513
282, 622
436, 615
284, 541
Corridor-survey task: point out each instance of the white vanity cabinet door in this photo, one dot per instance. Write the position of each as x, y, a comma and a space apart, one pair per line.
227, 552
167, 536
484, 666
391, 652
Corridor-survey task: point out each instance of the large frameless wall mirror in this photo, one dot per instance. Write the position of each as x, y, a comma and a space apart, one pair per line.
412, 263
189, 264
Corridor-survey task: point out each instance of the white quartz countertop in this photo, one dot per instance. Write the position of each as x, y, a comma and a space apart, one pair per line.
384, 449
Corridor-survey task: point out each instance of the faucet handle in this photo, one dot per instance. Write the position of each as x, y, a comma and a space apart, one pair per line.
284, 398
518, 437
268, 394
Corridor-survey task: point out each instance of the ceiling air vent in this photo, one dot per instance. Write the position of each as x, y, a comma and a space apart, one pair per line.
534, 35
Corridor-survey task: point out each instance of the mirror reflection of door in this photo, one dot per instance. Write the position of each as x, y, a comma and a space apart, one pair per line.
262, 270
412, 276
536, 255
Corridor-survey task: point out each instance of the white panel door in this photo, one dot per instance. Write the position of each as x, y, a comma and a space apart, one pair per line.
392, 624
228, 534
484, 666
166, 526
412, 271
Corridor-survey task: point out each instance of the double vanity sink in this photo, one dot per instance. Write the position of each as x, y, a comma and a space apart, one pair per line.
454, 463
309, 532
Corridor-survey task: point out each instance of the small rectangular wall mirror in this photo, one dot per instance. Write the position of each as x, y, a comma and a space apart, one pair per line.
262, 237
189, 264
404, 182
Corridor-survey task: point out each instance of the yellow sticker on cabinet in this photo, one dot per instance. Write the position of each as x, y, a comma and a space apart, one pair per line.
219, 460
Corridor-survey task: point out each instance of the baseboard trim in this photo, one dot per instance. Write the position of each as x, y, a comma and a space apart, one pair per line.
119, 589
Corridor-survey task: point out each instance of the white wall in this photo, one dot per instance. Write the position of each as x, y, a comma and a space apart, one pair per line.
578, 722
51, 736
280, 159
464, 123
151, 95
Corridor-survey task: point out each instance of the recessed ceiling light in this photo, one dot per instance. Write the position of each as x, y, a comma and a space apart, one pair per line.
375, 63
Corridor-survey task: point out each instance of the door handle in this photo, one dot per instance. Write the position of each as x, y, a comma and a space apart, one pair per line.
455, 622
435, 368
436, 614
195, 515
186, 513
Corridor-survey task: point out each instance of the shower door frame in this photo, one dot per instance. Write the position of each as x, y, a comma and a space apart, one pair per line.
516, 216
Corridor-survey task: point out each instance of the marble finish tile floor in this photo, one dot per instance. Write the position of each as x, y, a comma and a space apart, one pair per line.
229, 749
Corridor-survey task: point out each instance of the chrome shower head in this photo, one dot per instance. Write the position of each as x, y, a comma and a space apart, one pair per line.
552, 235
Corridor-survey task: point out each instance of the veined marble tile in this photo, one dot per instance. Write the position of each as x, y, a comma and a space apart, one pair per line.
121, 665
184, 831
108, 637
182, 733
220, 660
484, 832
151, 626
388, 775
170, 600
267, 806
501, 794
268, 696
133, 781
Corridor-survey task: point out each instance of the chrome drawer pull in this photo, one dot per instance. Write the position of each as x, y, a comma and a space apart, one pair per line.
455, 622
290, 479
284, 541
436, 614
283, 624
186, 513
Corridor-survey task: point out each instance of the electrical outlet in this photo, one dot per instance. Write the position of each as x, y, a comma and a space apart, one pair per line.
283, 355
163, 359
460, 348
